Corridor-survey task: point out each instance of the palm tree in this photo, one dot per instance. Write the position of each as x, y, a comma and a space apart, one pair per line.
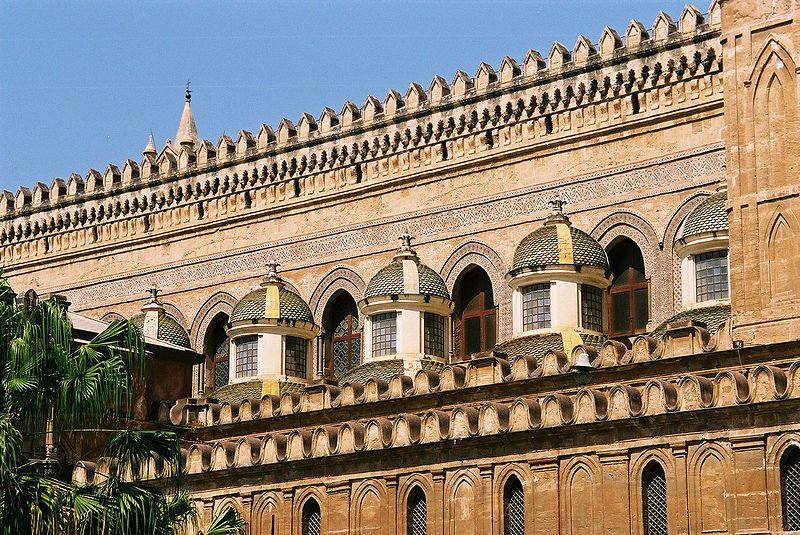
53, 390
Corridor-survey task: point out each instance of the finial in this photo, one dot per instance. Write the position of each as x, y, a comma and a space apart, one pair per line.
405, 250
153, 291
153, 303
272, 278
188, 92
557, 210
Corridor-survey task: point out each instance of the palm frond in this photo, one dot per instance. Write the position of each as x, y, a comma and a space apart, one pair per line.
226, 522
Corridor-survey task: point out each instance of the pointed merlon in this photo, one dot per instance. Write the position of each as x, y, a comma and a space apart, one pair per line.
151, 146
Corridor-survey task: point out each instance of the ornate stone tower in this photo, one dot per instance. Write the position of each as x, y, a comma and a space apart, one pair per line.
759, 40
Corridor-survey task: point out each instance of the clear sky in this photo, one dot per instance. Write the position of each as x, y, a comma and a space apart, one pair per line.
82, 84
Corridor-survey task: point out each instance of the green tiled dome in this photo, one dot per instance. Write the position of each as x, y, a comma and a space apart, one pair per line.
169, 330
381, 369
389, 281
713, 317
709, 216
253, 306
538, 345
540, 248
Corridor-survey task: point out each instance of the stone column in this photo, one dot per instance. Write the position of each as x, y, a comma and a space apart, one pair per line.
484, 516
677, 520
435, 505
337, 509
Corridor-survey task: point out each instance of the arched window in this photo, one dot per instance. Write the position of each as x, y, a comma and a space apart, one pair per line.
343, 336
416, 513
654, 499
629, 294
790, 489
312, 518
513, 507
476, 328
215, 348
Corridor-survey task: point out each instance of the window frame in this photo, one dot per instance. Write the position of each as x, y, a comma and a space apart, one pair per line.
598, 311
649, 474
349, 339
239, 343
301, 344
710, 256
439, 329
376, 320
507, 498
537, 323
790, 456
482, 312
629, 288
419, 494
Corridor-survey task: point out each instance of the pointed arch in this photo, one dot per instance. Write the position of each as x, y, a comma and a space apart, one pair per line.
368, 508
474, 253
711, 496
265, 519
781, 250
773, 86
462, 495
505, 476
419, 483
339, 278
416, 512
778, 450
581, 497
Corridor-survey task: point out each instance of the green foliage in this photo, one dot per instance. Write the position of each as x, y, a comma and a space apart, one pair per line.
51, 386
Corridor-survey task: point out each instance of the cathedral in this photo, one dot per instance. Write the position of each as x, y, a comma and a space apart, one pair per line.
557, 296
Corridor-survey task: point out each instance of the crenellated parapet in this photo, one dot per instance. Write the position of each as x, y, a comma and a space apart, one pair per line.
693, 394
591, 89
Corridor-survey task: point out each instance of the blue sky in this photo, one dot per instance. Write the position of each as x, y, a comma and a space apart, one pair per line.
84, 83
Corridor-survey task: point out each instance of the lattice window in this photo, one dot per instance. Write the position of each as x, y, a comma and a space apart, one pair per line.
790, 489
222, 365
711, 275
296, 356
434, 334
592, 307
536, 307
654, 499
384, 334
345, 337
513, 507
246, 356
417, 513
312, 518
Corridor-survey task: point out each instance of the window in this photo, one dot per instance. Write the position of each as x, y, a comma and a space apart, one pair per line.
591, 308
312, 518
711, 275
513, 507
790, 489
416, 513
476, 313
434, 334
216, 348
384, 334
341, 321
654, 499
296, 356
246, 356
536, 306
629, 293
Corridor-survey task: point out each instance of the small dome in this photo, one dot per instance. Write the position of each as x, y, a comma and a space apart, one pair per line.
169, 330
253, 306
391, 280
558, 243
709, 216
537, 345
713, 317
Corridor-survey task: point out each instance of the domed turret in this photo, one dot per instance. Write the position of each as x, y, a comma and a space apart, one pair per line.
154, 322
702, 246
559, 276
270, 333
407, 309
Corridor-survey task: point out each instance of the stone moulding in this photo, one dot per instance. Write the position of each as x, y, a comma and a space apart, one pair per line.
186, 200
586, 406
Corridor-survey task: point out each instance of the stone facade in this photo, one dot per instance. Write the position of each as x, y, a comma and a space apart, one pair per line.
680, 418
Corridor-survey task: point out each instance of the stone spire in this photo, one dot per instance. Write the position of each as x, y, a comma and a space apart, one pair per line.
187, 131
151, 146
